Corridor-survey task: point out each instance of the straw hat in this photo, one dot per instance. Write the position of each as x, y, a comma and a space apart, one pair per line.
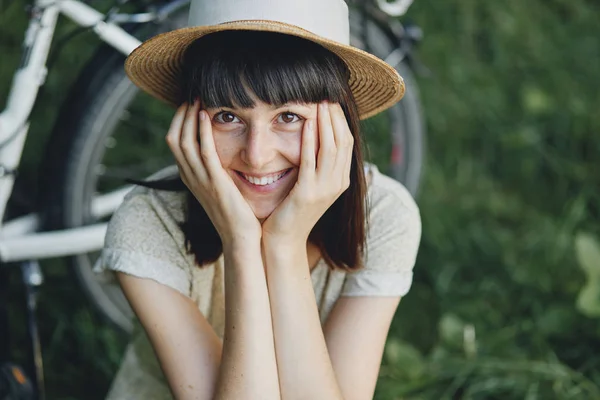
156, 64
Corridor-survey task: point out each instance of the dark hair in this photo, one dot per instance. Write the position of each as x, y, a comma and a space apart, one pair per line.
220, 69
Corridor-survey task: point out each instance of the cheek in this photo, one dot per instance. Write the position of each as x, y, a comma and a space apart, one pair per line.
225, 150
294, 149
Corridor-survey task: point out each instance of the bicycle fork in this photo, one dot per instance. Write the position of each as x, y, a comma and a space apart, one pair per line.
32, 278
14, 383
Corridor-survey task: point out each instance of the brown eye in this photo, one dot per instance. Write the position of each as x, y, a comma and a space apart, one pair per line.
225, 117
288, 118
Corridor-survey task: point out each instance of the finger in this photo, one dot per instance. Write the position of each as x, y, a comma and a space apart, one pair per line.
344, 143
307, 155
190, 147
208, 151
178, 118
174, 132
174, 137
182, 175
189, 127
327, 147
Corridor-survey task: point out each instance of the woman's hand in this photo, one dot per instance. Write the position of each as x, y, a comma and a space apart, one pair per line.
321, 180
201, 171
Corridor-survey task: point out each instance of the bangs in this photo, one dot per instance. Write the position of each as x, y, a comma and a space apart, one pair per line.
231, 68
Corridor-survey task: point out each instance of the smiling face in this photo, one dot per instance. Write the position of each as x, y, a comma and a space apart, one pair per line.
259, 147
259, 88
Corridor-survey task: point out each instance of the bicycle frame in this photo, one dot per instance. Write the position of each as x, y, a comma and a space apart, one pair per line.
20, 238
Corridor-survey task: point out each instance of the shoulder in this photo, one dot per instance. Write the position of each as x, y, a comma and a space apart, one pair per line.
144, 237
393, 217
386, 197
392, 243
147, 213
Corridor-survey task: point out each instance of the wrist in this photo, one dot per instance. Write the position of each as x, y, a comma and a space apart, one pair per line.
241, 245
288, 246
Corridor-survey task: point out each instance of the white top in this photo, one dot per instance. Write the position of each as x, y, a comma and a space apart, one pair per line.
144, 239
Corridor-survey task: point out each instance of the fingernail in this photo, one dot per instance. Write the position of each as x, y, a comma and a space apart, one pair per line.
202, 115
310, 124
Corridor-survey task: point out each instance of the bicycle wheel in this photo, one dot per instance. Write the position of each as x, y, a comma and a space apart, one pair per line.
102, 137
114, 131
396, 138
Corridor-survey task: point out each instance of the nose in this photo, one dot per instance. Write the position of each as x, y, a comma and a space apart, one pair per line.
259, 150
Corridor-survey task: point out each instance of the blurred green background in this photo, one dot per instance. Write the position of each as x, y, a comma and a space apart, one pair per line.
506, 298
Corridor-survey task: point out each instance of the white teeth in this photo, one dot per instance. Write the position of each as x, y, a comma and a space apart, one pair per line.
265, 180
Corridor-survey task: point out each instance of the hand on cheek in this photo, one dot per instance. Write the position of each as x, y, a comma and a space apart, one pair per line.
324, 175
316, 141
191, 140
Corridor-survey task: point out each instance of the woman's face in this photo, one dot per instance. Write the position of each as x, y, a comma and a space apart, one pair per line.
260, 149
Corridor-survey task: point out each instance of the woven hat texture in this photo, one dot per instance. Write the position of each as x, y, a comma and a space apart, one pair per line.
156, 65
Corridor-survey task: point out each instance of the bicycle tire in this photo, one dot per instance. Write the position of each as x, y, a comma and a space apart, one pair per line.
65, 194
88, 131
406, 151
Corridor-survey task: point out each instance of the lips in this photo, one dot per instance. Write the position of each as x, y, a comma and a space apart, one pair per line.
264, 180
264, 183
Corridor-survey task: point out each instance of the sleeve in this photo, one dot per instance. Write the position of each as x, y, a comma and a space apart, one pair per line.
393, 237
143, 240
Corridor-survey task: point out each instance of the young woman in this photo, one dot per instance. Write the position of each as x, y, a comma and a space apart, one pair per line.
275, 271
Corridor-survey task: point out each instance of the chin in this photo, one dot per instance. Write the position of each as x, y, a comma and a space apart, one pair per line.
263, 212
262, 209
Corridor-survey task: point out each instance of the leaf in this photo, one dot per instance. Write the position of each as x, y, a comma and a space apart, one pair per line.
588, 300
536, 100
405, 357
451, 329
587, 251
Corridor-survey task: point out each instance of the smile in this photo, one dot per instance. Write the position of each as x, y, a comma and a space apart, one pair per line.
265, 183
264, 180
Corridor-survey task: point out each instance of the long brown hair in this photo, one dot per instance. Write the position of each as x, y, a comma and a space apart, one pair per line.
221, 69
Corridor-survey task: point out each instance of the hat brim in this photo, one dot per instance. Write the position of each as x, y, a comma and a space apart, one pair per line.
155, 66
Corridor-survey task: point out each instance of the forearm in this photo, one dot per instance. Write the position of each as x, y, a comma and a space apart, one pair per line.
304, 366
248, 366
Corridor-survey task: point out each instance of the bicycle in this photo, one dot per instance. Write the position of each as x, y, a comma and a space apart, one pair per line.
88, 146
